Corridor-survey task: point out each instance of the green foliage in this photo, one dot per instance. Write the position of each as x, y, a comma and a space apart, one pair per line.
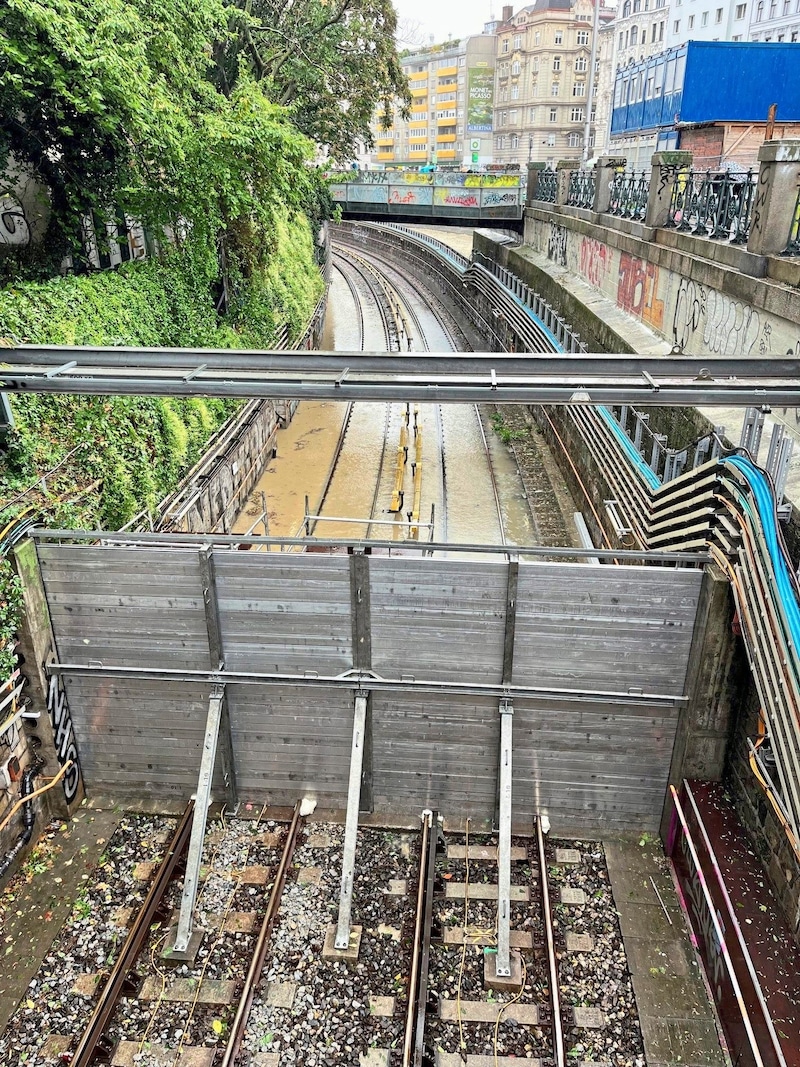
331, 62
10, 607
503, 431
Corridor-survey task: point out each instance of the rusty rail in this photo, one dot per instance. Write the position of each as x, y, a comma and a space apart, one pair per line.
559, 1056
88, 1051
414, 1039
260, 954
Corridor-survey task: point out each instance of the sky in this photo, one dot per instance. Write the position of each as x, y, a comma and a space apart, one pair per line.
461, 18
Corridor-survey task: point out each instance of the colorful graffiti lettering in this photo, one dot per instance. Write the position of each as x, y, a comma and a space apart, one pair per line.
499, 199
637, 291
396, 196
595, 258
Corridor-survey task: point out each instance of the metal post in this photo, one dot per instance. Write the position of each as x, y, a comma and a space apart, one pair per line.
504, 845
587, 129
201, 804
659, 442
342, 940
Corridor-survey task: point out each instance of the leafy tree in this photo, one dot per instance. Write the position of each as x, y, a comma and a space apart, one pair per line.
331, 62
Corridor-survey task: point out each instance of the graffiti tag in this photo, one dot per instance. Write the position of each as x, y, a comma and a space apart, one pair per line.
63, 736
14, 228
595, 258
637, 291
557, 244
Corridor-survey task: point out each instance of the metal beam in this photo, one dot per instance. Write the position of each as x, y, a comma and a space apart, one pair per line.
360, 614
183, 540
504, 842
441, 378
370, 682
216, 657
511, 620
342, 939
201, 804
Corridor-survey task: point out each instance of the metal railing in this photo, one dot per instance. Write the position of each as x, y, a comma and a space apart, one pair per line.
714, 205
629, 192
793, 244
546, 187
581, 188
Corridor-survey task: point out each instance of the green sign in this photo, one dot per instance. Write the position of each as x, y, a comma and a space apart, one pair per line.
474, 157
480, 99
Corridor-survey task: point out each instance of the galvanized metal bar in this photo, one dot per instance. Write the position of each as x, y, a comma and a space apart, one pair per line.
360, 615
183, 540
584, 536
504, 842
342, 939
202, 800
512, 582
368, 681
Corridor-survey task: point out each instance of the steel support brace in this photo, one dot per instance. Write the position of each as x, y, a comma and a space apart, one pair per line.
216, 656
351, 823
504, 843
360, 611
511, 621
201, 804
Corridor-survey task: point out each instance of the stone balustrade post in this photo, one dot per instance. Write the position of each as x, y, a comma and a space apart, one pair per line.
564, 169
775, 198
604, 176
666, 170
534, 170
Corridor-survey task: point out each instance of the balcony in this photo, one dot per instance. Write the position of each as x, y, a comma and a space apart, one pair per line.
445, 153
447, 72
384, 156
418, 124
447, 120
451, 87
418, 93
445, 138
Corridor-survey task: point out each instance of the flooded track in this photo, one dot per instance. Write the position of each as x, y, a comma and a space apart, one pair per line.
386, 471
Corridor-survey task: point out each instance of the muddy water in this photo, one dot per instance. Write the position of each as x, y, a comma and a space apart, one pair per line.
466, 512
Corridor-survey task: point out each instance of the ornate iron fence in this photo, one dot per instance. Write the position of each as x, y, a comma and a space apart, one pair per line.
793, 244
581, 188
714, 205
629, 192
546, 188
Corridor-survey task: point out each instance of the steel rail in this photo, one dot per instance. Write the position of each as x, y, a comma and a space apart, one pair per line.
239, 1023
86, 1051
559, 1054
414, 1036
354, 293
495, 493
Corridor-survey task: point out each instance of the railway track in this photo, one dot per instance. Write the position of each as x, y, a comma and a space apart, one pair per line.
263, 991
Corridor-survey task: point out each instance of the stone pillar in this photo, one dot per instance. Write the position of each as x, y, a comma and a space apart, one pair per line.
604, 176
534, 170
666, 167
564, 169
775, 197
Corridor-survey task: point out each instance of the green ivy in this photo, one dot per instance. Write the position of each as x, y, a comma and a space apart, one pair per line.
122, 455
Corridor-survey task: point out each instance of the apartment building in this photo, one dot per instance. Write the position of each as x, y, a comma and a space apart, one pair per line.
542, 81
708, 20
452, 89
774, 20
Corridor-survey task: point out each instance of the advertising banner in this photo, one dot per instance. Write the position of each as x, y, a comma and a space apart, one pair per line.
480, 98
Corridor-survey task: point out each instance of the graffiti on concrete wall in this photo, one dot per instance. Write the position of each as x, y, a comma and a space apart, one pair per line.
637, 290
63, 736
14, 228
557, 244
729, 327
594, 261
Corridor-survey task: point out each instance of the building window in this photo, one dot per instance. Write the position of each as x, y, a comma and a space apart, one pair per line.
537, 37
554, 89
515, 141
498, 143
760, 11
576, 115
773, 9
512, 117
691, 22
579, 89
535, 65
794, 35
531, 114
580, 65
704, 19
718, 16
515, 92
574, 140
553, 114
621, 39
644, 36
634, 36
517, 41
559, 37
740, 11
515, 68
626, 9
786, 6
676, 26
583, 37
551, 140
661, 30
556, 62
